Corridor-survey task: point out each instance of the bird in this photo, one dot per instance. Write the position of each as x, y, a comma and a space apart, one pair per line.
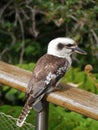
48, 71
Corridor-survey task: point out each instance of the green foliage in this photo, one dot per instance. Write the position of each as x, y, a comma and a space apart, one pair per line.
59, 118
26, 27
15, 111
29, 66
81, 79
11, 95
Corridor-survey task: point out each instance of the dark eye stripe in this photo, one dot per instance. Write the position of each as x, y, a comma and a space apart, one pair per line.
70, 45
60, 46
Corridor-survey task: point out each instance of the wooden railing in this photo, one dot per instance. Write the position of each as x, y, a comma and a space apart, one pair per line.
75, 99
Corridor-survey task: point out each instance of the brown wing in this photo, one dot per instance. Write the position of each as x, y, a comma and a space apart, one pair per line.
44, 66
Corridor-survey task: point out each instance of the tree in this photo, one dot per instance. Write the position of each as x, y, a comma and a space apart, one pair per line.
31, 24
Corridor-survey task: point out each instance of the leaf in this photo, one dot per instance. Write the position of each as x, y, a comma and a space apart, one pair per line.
21, 95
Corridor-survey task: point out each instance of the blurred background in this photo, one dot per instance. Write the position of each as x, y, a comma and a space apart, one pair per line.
26, 27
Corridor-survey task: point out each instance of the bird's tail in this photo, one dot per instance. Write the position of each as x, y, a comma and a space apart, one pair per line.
23, 115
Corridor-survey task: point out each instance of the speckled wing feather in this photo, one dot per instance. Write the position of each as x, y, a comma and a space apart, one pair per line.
48, 64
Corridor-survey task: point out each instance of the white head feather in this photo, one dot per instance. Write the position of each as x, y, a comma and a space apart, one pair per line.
64, 52
63, 47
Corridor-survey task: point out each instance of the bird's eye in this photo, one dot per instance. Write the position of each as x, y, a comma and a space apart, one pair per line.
69, 45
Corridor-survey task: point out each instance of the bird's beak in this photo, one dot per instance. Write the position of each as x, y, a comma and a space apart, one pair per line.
80, 51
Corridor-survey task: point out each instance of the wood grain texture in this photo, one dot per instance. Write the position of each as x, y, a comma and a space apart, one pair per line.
67, 96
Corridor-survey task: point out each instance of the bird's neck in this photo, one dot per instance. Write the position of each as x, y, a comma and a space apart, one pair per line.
67, 57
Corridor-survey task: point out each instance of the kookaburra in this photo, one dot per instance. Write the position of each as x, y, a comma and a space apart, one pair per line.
49, 69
